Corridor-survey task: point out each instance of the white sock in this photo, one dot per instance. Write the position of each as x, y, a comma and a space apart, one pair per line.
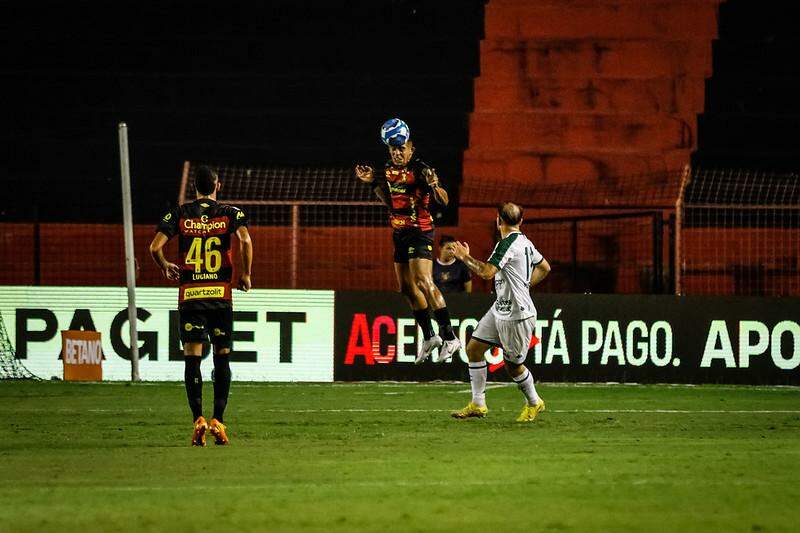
525, 384
477, 380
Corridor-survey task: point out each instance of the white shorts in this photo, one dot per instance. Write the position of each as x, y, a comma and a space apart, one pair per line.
513, 336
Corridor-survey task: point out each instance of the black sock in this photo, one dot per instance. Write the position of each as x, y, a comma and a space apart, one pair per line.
445, 328
194, 385
423, 318
222, 384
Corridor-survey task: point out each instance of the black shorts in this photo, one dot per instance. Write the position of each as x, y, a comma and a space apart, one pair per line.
207, 325
412, 244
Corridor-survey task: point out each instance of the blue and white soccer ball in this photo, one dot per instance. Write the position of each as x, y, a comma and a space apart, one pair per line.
395, 132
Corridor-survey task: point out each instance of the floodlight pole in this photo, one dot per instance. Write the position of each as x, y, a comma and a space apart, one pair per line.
130, 258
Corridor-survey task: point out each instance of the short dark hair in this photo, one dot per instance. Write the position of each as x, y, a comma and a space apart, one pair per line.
510, 213
205, 180
444, 239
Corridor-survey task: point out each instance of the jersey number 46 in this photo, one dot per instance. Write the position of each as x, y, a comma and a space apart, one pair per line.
211, 258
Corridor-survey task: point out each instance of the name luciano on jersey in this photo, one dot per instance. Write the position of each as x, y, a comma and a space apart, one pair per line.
205, 276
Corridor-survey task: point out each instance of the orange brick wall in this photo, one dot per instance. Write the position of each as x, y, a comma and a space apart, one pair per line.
16, 254
587, 89
361, 258
93, 254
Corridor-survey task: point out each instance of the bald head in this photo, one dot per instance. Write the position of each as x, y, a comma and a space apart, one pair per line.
510, 214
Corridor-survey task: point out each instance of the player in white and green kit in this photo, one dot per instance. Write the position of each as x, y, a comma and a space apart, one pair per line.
516, 266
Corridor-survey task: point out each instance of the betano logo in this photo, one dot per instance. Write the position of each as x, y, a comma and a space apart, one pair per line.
83, 352
194, 293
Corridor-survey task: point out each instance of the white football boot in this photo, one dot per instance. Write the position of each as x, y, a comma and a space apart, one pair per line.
427, 348
448, 349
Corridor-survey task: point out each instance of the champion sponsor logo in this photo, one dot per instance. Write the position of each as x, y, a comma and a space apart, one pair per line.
204, 225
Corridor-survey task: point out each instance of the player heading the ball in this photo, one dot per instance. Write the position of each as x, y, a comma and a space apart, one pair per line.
516, 266
204, 228
407, 185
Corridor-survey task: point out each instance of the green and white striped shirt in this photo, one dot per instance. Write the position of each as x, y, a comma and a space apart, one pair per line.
515, 258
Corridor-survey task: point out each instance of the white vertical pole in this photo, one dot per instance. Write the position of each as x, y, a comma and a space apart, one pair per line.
130, 258
295, 237
184, 181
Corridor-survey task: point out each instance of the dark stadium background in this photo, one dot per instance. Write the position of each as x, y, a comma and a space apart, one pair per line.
581, 111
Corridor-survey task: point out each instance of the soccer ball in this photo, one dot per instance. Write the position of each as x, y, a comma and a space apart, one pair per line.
395, 132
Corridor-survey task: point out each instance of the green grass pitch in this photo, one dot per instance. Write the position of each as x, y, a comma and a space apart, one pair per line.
387, 457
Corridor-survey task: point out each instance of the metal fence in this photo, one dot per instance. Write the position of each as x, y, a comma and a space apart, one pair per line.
701, 232
739, 233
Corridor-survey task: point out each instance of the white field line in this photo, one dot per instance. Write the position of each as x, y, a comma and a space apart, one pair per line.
588, 411
488, 387
438, 383
373, 483
374, 410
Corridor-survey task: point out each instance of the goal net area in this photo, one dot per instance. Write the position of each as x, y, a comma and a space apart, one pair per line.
10, 366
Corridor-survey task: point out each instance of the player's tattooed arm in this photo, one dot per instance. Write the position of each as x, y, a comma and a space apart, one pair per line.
170, 270
381, 190
439, 194
367, 175
484, 270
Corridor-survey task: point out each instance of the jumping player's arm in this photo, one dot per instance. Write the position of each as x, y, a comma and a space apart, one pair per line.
439, 194
381, 190
484, 270
246, 253
167, 228
366, 174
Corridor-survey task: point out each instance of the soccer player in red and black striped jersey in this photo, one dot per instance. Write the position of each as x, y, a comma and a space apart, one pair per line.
204, 228
407, 186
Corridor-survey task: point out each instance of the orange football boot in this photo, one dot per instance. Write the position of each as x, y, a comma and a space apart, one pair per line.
199, 435
217, 429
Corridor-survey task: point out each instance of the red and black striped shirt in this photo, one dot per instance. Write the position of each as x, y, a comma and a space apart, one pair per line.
410, 196
204, 228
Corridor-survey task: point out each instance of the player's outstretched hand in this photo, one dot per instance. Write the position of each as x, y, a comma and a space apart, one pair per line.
244, 282
431, 177
172, 271
365, 173
460, 250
